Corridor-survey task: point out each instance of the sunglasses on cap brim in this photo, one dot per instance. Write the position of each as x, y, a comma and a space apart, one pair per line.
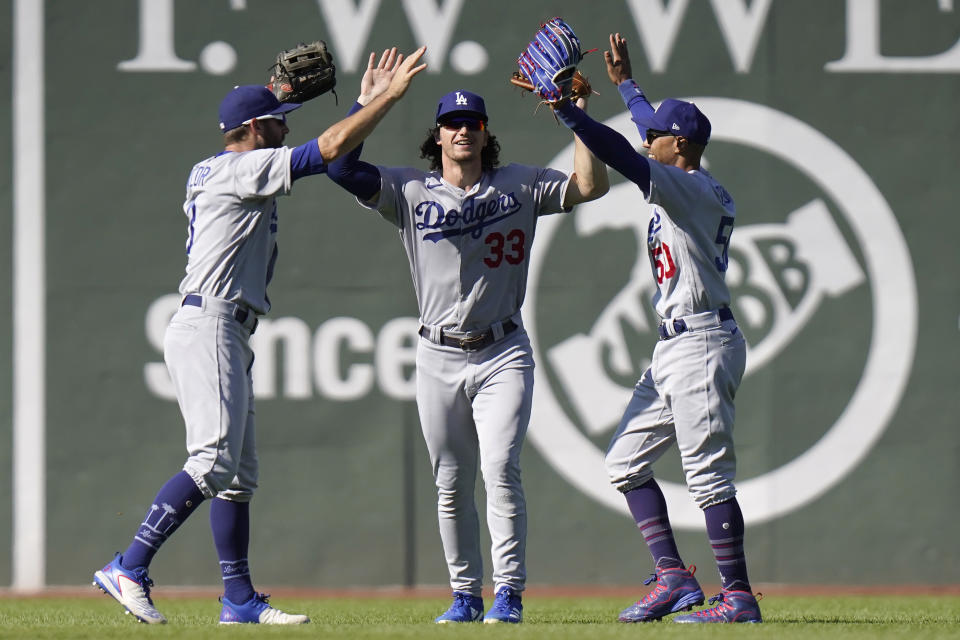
653, 134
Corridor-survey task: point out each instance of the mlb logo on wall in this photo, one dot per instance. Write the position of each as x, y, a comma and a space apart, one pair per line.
819, 274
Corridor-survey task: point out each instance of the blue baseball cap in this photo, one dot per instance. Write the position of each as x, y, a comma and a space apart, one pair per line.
250, 101
461, 103
679, 118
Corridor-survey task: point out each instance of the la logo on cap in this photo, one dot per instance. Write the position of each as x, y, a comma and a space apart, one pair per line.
461, 99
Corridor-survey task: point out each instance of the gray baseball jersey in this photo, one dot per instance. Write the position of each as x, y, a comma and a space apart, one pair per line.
469, 256
469, 251
231, 209
687, 240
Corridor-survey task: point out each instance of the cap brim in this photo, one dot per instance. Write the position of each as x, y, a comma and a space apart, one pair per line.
461, 114
651, 122
285, 107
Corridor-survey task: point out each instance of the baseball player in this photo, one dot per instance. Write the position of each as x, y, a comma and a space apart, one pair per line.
231, 209
467, 226
686, 395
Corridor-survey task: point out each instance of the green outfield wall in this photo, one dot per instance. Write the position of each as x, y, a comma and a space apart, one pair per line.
834, 122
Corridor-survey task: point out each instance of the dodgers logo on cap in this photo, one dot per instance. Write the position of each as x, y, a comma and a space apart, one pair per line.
461, 102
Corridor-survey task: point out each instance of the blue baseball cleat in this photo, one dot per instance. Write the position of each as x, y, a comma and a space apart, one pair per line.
506, 608
676, 590
257, 611
465, 608
734, 606
131, 588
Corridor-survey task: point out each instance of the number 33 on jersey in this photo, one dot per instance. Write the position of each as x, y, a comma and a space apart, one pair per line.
469, 250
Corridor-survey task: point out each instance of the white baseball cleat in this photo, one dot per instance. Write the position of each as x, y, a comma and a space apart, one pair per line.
257, 611
131, 588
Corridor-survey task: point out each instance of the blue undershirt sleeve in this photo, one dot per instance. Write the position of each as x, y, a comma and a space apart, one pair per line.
608, 145
306, 160
640, 108
362, 179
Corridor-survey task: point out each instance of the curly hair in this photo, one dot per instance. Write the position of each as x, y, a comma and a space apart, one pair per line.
489, 156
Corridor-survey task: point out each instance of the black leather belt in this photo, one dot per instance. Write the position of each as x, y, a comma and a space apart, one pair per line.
680, 325
473, 343
240, 313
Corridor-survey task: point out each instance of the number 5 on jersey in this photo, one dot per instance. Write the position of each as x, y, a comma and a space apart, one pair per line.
723, 239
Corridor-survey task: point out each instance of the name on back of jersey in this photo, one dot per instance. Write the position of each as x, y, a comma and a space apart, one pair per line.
199, 175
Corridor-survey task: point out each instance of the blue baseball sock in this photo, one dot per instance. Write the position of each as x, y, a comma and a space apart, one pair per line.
230, 522
725, 530
649, 509
176, 500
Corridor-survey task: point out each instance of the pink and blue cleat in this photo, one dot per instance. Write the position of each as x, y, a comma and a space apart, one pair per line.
732, 606
676, 590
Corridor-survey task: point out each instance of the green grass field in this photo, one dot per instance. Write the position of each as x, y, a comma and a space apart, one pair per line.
847, 617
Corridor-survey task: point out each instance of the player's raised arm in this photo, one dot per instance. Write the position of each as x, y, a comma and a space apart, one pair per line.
607, 145
362, 179
589, 180
349, 132
620, 73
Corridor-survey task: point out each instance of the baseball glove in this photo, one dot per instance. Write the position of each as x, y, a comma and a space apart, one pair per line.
579, 85
549, 63
303, 73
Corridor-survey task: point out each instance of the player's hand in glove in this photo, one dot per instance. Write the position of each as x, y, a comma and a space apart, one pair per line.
548, 66
303, 73
579, 85
618, 60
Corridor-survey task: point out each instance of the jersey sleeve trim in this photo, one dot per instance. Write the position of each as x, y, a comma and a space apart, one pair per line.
306, 160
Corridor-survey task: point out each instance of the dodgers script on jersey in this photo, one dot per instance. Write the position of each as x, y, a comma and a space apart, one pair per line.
231, 209
469, 250
688, 239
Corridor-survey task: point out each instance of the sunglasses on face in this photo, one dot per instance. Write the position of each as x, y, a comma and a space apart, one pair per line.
653, 134
282, 117
455, 124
